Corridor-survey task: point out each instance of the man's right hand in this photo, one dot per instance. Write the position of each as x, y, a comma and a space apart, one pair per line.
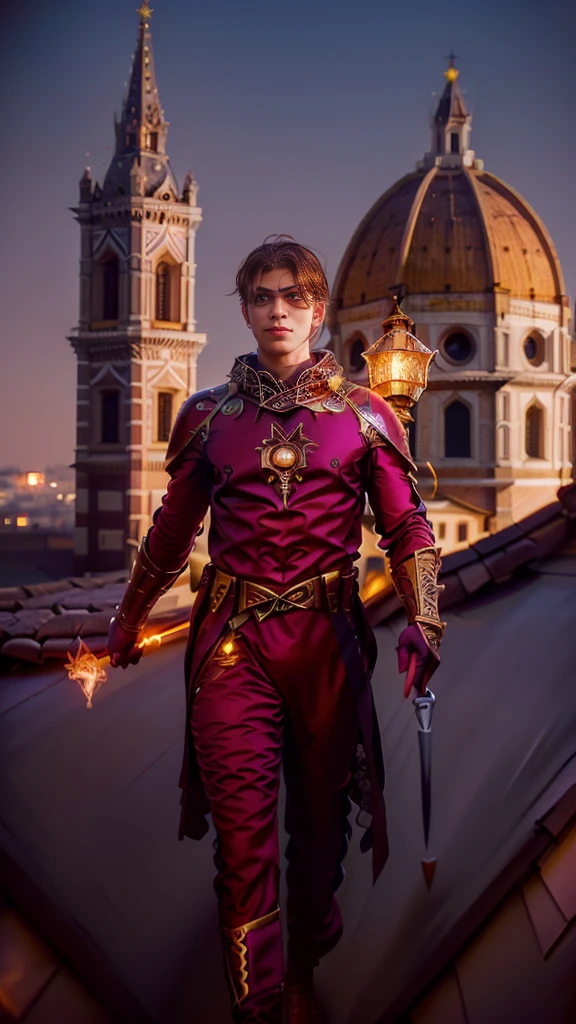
122, 646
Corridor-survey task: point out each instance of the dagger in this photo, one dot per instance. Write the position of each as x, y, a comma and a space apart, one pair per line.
424, 708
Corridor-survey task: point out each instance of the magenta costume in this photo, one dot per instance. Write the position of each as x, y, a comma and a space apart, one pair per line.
280, 652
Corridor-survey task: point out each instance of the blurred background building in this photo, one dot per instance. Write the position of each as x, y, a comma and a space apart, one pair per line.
478, 272
136, 341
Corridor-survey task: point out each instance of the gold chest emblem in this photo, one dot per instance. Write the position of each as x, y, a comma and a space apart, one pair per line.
282, 457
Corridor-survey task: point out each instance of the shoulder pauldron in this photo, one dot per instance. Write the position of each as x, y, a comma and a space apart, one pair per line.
373, 427
194, 418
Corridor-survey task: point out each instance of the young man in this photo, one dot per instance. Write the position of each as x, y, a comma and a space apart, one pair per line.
280, 653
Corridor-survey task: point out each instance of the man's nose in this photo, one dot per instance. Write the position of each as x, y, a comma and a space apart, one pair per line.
277, 309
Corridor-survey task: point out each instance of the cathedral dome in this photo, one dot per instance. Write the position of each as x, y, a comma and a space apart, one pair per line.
478, 274
449, 227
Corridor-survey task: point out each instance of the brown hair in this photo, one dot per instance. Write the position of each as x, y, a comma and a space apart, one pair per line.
283, 251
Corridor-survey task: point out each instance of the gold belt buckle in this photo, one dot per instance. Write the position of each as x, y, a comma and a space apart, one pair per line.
263, 601
304, 595
220, 587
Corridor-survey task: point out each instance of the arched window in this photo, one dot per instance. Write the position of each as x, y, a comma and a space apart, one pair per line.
167, 304
110, 417
457, 434
534, 432
165, 399
355, 349
163, 292
503, 441
110, 293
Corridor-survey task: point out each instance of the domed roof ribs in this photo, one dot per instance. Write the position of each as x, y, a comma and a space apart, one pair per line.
411, 222
529, 214
500, 276
349, 256
491, 251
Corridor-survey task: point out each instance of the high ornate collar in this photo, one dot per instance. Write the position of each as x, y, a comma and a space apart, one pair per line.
314, 388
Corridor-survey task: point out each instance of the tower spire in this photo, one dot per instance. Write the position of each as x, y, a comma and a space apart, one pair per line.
451, 124
451, 108
141, 131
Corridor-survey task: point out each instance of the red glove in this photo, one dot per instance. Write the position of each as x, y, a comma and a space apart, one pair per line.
416, 658
122, 646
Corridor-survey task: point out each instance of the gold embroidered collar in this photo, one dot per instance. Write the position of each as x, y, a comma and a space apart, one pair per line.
311, 388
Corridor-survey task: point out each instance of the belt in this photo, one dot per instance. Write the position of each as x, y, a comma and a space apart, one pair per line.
331, 591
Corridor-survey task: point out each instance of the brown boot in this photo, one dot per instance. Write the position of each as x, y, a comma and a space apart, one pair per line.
300, 1001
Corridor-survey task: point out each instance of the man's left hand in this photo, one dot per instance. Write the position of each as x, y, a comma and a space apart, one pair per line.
122, 646
416, 658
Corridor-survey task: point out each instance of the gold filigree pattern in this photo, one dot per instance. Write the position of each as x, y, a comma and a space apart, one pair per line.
312, 388
237, 953
282, 456
416, 584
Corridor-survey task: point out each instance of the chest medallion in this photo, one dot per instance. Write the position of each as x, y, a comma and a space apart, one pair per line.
283, 456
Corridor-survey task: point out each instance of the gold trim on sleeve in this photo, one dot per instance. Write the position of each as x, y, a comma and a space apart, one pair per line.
416, 584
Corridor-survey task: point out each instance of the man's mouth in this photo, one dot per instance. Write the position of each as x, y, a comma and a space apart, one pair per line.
278, 330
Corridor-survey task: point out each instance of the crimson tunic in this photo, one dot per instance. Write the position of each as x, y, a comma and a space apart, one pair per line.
252, 534
276, 533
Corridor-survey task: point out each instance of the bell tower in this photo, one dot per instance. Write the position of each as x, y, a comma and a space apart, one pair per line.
136, 342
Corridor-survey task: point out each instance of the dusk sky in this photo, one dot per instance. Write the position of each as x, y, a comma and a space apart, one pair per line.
293, 118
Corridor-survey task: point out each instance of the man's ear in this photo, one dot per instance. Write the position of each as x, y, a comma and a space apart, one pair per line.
245, 315
318, 314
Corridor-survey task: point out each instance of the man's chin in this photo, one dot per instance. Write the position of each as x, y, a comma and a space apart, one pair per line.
280, 346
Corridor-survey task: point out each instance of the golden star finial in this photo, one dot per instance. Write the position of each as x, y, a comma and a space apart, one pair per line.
145, 11
452, 73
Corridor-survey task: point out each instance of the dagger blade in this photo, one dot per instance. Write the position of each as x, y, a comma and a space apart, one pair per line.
425, 744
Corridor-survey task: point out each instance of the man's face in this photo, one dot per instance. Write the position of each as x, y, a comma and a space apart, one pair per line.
280, 318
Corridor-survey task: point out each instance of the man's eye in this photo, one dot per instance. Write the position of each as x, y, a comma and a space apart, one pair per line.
260, 299
294, 297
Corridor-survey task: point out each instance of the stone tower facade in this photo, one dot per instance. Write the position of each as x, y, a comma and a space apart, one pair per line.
479, 275
136, 340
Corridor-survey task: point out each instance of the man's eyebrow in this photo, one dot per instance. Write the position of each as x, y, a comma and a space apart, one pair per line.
289, 288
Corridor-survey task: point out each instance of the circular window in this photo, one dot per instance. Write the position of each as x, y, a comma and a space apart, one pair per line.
458, 347
534, 349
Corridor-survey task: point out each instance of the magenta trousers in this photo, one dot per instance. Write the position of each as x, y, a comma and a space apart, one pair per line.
280, 696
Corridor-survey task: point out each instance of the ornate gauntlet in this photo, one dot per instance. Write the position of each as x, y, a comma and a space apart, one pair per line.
146, 584
415, 580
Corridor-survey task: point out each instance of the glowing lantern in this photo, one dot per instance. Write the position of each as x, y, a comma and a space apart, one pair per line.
398, 364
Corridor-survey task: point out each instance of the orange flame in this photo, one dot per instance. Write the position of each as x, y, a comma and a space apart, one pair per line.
87, 670
84, 668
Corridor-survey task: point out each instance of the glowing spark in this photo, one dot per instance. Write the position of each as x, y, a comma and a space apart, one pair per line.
88, 671
84, 668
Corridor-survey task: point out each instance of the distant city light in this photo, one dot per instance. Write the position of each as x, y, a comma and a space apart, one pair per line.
21, 520
34, 479
53, 483
70, 498
59, 497
7, 521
